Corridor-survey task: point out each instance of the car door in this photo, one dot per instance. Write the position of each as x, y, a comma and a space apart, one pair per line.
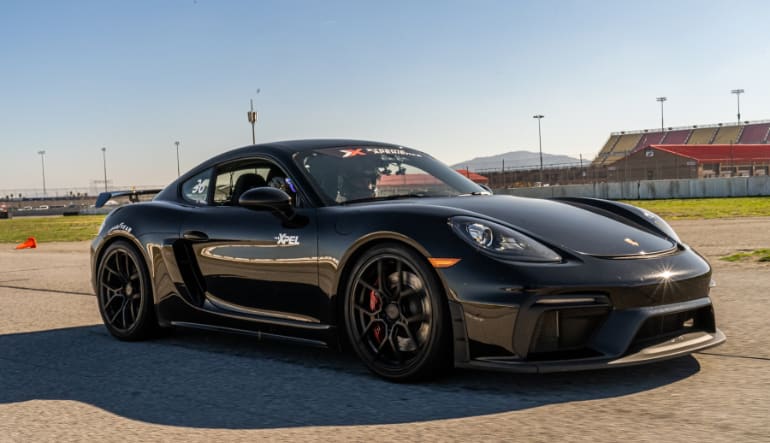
253, 262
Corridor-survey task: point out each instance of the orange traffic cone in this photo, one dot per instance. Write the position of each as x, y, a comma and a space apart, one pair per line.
30, 243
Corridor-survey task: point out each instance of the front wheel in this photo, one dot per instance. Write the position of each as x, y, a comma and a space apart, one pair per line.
124, 293
395, 314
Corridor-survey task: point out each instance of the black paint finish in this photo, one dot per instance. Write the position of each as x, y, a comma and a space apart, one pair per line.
623, 275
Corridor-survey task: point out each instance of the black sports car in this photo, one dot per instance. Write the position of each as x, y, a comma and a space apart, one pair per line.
383, 247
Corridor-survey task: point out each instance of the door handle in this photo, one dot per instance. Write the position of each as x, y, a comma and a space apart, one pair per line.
195, 236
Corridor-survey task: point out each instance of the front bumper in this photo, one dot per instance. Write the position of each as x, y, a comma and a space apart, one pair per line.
624, 337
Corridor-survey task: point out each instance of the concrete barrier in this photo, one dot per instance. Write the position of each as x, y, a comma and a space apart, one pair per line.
654, 189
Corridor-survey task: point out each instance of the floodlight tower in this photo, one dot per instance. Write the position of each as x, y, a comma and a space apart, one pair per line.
178, 171
661, 100
42, 162
104, 159
540, 144
738, 93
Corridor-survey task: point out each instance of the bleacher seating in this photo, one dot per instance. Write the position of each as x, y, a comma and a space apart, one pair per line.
701, 136
676, 137
622, 147
754, 134
652, 138
607, 148
727, 135
622, 144
612, 158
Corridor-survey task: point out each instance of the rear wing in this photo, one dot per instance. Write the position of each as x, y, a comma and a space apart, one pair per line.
133, 195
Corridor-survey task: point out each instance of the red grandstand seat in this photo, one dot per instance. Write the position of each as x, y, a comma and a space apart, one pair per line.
754, 133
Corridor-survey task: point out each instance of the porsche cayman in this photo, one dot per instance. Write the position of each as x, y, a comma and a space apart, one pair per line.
413, 265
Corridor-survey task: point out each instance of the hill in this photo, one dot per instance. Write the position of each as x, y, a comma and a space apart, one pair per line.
516, 160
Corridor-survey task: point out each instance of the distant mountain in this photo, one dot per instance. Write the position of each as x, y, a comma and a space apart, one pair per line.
516, 159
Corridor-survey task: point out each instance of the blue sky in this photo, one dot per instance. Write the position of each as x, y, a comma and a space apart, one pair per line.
457, 79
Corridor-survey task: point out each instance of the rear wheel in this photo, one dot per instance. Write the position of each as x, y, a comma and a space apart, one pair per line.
395, 314
124, 293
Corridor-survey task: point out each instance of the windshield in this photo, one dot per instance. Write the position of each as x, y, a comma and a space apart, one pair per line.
367, 173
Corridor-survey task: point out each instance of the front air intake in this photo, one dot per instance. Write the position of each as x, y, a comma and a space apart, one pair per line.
564, 333
664, 327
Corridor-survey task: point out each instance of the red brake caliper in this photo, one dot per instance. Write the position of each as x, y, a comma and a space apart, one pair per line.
374, 304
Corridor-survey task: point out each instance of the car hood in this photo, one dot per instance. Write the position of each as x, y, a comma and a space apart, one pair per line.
565, 226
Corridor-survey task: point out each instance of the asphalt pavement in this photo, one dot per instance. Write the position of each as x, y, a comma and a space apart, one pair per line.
64, 378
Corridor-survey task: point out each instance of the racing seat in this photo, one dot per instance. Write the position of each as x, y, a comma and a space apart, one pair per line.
243, 184
276, 179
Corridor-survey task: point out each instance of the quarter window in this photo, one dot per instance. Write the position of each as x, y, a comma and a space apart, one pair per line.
196, 189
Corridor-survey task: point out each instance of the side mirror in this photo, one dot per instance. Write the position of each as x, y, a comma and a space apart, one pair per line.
266, 197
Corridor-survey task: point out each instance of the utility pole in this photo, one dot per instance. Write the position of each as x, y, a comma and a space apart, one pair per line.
582, 172
252, 116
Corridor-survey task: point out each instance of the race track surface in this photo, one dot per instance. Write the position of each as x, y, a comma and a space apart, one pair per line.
63, 378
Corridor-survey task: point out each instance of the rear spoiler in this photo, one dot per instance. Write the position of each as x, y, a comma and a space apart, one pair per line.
132, 195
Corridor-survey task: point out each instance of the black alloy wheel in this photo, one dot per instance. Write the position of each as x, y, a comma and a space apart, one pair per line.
124, 293
395, 314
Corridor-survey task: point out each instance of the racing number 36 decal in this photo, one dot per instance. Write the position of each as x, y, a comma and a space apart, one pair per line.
201, 186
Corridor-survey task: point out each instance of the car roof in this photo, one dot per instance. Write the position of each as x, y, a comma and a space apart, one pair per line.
282, 150
292, 146
285, 149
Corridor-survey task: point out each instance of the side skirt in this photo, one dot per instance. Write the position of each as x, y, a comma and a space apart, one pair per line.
258, 334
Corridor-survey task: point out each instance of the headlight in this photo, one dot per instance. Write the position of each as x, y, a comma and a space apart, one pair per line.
500, 241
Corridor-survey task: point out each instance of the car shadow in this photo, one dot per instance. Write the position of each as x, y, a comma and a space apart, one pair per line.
205, 380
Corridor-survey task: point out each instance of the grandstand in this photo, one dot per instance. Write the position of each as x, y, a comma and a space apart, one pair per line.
677, 137
755, 134
652, 138
624, 143
727, 135
623, 146
702, 136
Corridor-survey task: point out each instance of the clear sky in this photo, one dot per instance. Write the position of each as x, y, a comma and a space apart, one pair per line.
458, 79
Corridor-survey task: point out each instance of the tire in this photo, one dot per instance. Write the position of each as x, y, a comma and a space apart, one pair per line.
400, 330
124, 293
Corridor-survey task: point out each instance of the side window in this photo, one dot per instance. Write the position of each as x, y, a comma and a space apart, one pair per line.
233, 180
196, 189
237, 179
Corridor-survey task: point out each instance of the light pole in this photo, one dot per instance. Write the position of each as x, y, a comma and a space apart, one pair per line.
104, 159
738, 93
252, 116
42, 162
178, 171
540, 144
661, 100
